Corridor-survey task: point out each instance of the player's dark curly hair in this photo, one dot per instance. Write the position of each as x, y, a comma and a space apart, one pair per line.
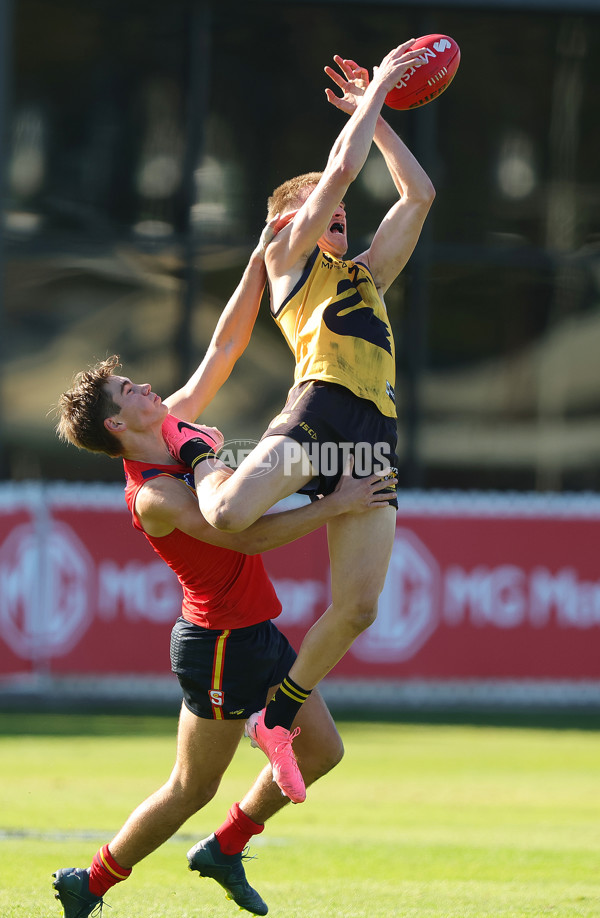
288, 196
83, 409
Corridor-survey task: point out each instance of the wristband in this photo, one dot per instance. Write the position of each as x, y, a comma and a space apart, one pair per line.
194, 451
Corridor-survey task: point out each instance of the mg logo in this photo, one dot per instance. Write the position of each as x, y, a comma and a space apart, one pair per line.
46, 580
408, 606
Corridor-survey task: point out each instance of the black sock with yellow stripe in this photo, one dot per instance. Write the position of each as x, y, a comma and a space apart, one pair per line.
285, 704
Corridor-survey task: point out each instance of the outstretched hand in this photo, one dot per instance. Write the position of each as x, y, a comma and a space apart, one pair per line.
396, 63
274, 225
353, 80
359, 494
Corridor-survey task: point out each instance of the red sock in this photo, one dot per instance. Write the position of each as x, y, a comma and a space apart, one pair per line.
105, 872
236, 831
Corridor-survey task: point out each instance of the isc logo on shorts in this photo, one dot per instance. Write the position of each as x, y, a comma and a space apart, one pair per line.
216, 697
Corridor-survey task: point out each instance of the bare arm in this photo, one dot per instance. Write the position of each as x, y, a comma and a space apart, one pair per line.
399, 231
165, 504
346, 159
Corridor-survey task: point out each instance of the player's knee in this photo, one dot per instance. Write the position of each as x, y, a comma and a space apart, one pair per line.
361, 614
327, 763
319, 762
200, 796
194, 796
332, 757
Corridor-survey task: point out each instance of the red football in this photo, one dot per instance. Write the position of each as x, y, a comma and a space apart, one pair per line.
427, 80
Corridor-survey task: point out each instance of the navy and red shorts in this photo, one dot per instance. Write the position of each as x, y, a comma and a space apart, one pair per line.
225, 675
330, 421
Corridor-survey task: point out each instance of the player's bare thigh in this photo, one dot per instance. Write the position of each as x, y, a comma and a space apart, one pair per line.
277, 467
360, 548
205, 748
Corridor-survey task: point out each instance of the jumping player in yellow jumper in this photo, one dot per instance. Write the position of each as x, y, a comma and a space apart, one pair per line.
332, 313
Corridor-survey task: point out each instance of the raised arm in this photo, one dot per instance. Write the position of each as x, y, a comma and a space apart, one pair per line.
399, 231
346, 159
230, 338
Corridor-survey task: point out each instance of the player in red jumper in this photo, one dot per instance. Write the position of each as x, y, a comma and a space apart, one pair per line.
226, 651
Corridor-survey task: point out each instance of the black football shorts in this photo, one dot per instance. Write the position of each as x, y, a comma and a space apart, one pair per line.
225, 675
329, 421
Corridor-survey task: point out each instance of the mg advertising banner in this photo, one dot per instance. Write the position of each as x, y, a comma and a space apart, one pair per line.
479, 587
80, 591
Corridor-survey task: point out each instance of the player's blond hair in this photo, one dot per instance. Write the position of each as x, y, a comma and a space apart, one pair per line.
83, 409
289, 195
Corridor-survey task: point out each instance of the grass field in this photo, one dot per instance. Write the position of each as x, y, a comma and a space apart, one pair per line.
418, 820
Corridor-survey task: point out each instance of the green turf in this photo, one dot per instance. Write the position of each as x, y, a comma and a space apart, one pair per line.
419, 820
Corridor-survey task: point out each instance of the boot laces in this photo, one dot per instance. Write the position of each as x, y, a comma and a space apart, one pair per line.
287, 741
